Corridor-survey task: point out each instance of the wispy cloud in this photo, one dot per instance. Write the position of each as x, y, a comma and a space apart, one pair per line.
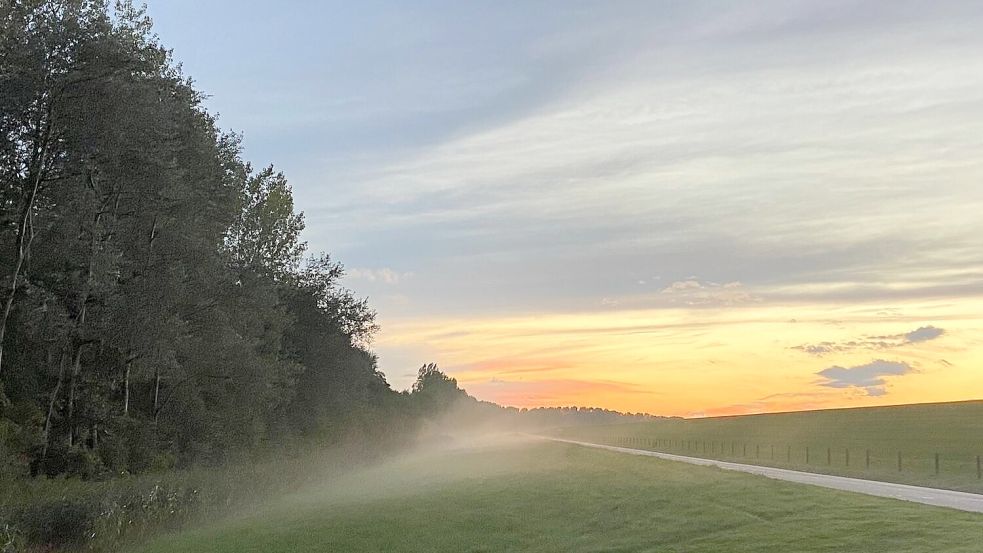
919, 335
695, 292
869, 377
383, 275
553, 392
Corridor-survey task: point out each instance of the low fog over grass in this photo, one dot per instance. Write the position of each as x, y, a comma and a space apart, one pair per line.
514, 493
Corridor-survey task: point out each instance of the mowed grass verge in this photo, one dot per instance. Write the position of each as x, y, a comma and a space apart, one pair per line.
550, 497
836, 441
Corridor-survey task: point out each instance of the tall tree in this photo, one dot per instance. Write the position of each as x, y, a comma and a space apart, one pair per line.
154, 306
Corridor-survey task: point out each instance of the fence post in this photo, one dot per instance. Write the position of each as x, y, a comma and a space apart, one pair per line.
829, 456
807, 455
936, 463
757, 451
772, 452
848, 456
899, 461
789, 454
868, 458
745, 450
979, 468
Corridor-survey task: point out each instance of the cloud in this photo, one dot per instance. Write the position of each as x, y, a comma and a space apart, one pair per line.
552, 392
384, 275
696, 293
924, 334
869, 377
919, 335
819, 349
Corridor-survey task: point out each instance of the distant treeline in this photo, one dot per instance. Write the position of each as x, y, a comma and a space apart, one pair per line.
157, 306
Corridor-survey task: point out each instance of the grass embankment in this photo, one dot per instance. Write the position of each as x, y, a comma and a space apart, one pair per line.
539, 496
954, 431
75, 515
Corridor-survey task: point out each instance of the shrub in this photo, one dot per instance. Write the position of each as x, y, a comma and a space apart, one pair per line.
58, 524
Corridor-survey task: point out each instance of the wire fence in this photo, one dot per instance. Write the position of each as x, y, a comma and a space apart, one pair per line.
830, 458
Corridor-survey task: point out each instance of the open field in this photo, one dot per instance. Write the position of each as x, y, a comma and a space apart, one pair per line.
538, 496
832, 441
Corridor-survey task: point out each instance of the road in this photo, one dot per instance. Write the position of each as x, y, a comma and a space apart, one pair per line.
929, 496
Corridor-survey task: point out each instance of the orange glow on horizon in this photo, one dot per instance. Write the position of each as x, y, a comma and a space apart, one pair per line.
711, 361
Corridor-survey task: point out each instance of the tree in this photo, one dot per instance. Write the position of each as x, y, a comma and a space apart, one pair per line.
435, 391
265, 237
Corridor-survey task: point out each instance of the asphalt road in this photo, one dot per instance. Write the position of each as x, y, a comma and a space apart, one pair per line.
929, 496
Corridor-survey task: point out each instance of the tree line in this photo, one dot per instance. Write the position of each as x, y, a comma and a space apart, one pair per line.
159, 307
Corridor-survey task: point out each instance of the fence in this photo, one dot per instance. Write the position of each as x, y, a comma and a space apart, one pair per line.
806, 455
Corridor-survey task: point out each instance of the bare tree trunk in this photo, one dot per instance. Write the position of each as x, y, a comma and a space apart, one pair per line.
150, 245
76, 368
80, 320
126, 389
156, 393
51, 408
25, 229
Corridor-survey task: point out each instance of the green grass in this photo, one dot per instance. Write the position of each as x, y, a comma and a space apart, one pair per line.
61, 514
918, 432
550, 497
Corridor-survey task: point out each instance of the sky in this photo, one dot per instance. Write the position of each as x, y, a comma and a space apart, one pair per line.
682, 208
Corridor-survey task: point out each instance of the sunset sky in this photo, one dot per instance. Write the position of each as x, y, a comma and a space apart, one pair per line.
682, 208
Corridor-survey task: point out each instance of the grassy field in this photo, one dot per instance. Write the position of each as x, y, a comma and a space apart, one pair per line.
954, 431
538, 496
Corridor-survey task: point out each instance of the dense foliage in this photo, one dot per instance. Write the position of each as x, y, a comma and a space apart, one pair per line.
156, 308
